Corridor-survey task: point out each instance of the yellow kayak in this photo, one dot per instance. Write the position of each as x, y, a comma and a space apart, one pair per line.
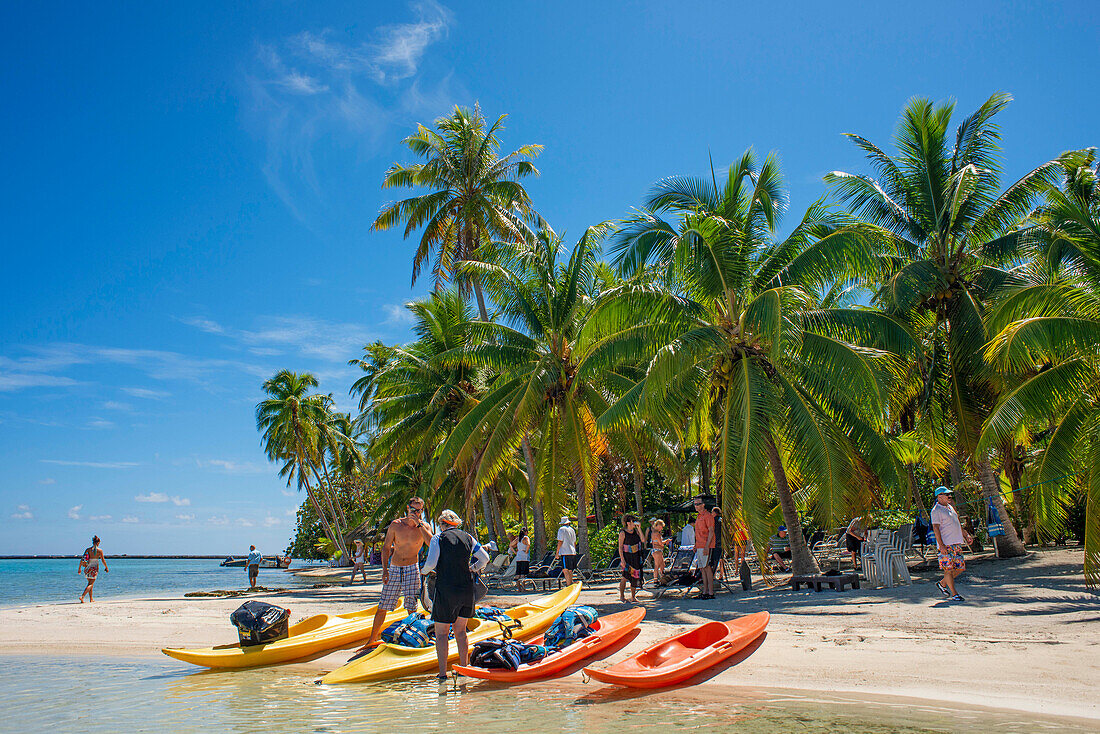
312, 635
393, 661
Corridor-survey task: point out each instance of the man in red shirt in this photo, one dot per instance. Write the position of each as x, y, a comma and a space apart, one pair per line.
704, 543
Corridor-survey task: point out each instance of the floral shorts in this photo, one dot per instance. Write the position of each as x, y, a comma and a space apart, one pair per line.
953, 558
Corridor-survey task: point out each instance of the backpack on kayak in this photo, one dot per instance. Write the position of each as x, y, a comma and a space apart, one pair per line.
575, 623
508, 654
258, 622
412, 631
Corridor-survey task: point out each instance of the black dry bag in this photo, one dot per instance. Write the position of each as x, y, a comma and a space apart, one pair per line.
258, 622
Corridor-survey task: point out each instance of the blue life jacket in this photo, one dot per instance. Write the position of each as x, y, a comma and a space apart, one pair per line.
505, 654
573, 624
412, 631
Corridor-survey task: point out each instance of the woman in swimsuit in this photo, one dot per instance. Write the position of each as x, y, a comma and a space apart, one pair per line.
630, 553
657, 544
89, 566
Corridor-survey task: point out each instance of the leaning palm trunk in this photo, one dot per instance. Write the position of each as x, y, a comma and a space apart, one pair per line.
582, 519
639, 485
1009, 544
802, 560
539, 529
487, 512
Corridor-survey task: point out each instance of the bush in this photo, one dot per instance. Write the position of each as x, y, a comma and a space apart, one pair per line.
604, 544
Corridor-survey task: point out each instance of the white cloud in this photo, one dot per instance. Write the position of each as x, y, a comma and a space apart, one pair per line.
100, 518
10, 382
305, 336
100, 423
229, 466
185, 518
270, 522
290, 513
151, 497
93, 464
180, 501
210, 327
130, 519
74, 512
115, 405
244, 523
397, 315
146, 393
47, 480
23, 512
223, 520
401, 46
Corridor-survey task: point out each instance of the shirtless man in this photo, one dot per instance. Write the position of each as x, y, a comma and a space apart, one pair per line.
400, 564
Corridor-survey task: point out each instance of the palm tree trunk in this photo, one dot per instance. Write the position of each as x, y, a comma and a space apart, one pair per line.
918, 503
316, 505
538, 530
704, 470
639, 485
481, 302
599, 509
1008, 545
802, 560
487, 512
336, 534
582, 518
498, 514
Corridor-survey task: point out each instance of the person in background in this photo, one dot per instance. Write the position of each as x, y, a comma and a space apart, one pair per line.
492, 546
740, 542
853, 539
521, 546
405, 537
455, 556
716, 552
630, 554
951, 541
779, 548
89, 566
704, 544
359, 561
253, 564
687, 535
657, 544
567, 549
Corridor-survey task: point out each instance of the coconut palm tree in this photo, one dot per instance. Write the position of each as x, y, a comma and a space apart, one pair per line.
475, 194
732, 353
550, 363
954, 238
292, 422
1048, 339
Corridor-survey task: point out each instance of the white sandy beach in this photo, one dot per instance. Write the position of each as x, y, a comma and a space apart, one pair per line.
1028, 637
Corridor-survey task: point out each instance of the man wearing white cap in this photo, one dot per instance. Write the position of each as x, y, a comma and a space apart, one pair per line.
951, 541
455, 556
567, 549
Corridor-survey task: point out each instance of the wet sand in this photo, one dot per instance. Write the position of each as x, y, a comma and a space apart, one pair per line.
1027, 638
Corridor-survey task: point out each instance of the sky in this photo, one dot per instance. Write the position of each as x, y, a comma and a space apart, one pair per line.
188, 191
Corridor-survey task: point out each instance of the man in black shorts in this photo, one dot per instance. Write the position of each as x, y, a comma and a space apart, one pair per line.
455, 556
567, 549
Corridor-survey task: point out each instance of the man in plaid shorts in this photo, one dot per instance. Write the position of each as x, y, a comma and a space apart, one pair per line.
400, 564
951, 541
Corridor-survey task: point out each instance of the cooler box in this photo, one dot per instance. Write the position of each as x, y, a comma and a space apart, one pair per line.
258, 622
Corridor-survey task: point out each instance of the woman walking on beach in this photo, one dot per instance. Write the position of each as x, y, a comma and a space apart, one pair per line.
630, 553
522, 547
359, 561
89, 566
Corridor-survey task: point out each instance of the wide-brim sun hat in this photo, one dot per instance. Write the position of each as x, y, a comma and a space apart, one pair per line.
448, 517
564, 520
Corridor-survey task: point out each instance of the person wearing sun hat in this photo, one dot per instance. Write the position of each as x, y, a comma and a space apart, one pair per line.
455, 556
951, 541
567, 548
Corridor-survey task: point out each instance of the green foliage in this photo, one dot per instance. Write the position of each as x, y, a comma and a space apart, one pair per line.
603, 545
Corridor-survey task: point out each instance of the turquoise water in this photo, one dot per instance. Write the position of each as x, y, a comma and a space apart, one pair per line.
49, 580
40, 693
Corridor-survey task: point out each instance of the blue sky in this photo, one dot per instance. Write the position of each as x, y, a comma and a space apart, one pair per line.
188, 190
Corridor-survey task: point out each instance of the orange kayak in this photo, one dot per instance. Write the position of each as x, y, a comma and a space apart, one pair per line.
675, 659
606, 632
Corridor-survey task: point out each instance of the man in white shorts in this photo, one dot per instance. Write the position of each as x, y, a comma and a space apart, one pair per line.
567, 549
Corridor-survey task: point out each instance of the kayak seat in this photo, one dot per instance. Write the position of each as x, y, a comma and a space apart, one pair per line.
683, 646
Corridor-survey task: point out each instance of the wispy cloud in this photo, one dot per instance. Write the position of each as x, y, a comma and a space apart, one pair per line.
99, 518
318, 85
397, 315
130, 519
151, 497
93, 464
270, 522
218, 520
23, 512
305, 336
185, 518
244, 523
47, 480
10, 382
146, 393
227, 466
100, 423
74, 512
115, 405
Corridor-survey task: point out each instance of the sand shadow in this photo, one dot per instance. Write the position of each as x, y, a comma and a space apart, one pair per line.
612, 693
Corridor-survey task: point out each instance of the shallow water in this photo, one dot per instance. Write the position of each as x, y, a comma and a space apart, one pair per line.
42, 580
111, 695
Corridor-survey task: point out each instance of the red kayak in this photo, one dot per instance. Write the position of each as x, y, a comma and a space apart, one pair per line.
675, 659
606, 632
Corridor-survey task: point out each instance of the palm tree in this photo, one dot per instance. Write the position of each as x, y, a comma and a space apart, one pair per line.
550, 361
953, 237
1048, 338
292, 422
733, 355
475, 195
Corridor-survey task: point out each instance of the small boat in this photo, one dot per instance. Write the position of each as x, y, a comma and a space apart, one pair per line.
606, 632
678, 658
394, 661
313, 635
265, 562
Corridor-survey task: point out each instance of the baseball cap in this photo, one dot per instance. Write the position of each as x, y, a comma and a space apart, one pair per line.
942, 490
